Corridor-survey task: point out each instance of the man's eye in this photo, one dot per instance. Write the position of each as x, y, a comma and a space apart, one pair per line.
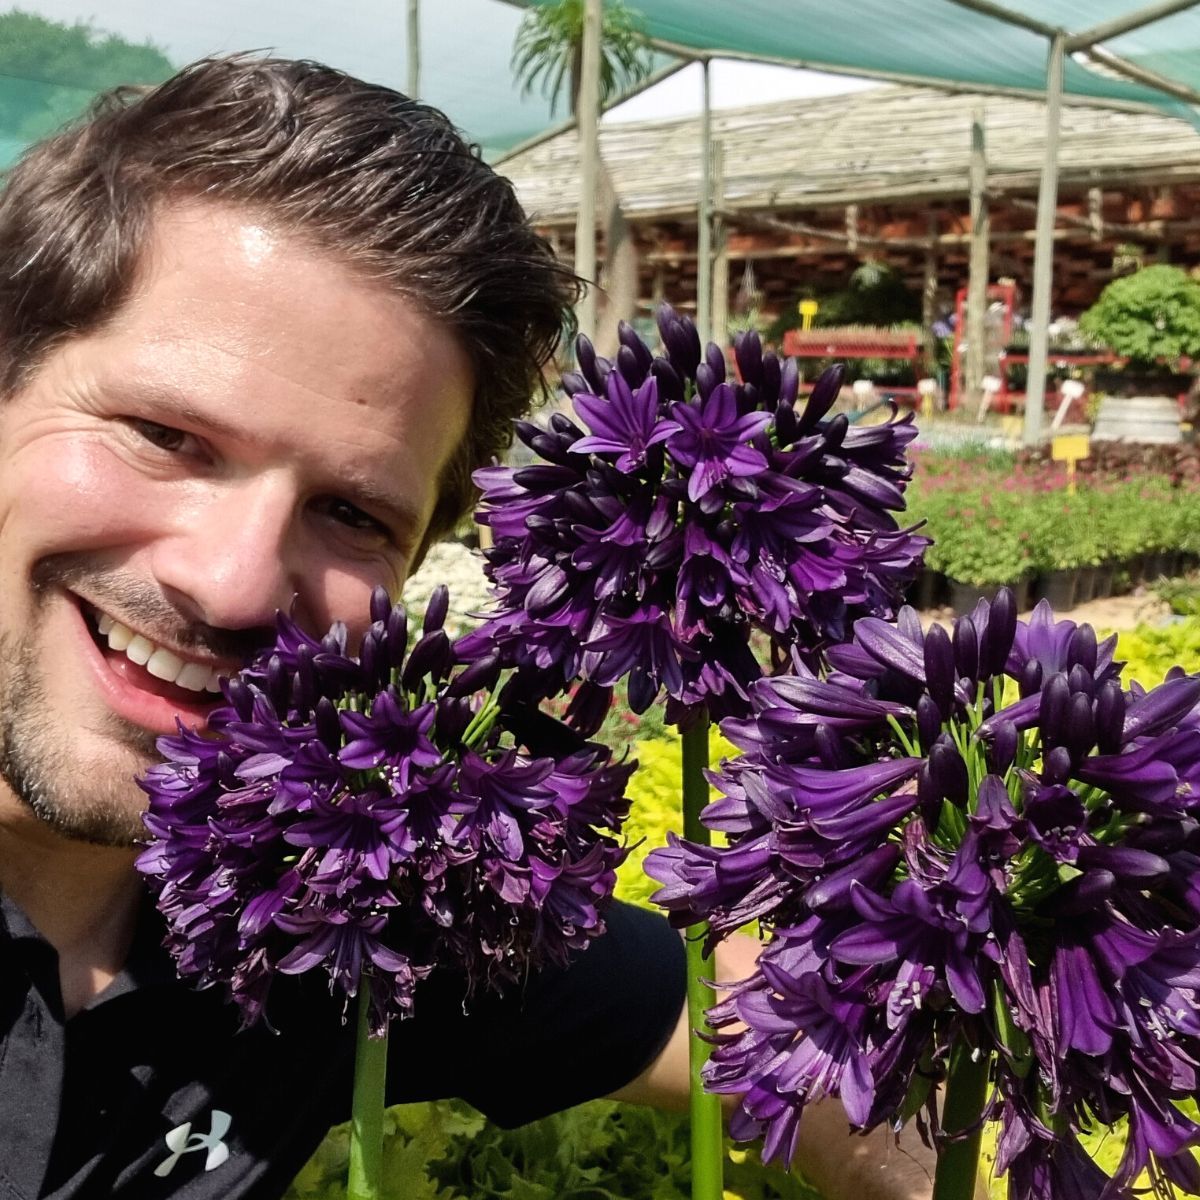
349, 515
162, 436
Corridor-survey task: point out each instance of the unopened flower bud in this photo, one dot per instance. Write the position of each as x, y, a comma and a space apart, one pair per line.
680, 340
437, 608
1056, 765
998, 635
1081, 648
279, 685
966, 648
670, 385
478, 676
1124, 861
949, 772
431, 656
929, 718
589, 364
397, 635
381, 604
572, 382
706, 380
328, 725
238, 693
939, 669
1081, 680
629, 339
1053, 710
1030, 678
630, 368
453, 716
747, 351
785, 424
1083, 894
835, 431
716, 361
822, 398
1003, 750
1079, 729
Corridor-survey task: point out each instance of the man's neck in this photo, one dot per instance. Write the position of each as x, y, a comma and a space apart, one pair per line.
82, 899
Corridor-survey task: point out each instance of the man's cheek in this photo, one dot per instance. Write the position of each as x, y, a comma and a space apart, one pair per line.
78, 496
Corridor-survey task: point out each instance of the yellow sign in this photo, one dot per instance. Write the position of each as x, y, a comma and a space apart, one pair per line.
808, 310
1069, 448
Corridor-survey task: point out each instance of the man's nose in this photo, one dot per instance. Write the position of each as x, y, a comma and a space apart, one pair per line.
226, 561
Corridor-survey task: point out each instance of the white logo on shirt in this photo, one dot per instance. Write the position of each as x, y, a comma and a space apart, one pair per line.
181, 1140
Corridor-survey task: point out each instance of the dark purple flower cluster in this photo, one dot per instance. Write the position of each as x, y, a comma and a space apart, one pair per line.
980, 839
687, 508
374, 817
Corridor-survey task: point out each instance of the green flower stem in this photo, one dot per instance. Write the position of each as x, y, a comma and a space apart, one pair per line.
966, 1092
366, 1121
708, 1141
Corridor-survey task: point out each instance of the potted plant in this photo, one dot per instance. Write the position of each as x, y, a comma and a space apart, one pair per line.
1151, 319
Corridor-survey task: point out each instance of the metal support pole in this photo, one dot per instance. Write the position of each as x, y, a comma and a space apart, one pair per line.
414, 49
704, 215
977, 279
720, 267
588, 121
929, 296
1043, 252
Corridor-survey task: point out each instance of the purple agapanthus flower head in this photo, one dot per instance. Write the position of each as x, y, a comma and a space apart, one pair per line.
374, 817
685, 507
976, 837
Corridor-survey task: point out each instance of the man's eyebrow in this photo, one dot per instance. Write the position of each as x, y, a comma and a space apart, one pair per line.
408, 521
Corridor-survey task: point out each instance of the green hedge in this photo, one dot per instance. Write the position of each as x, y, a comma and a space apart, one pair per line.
985, 534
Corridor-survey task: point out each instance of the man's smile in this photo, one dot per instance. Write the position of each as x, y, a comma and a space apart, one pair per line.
158, 660
144, 681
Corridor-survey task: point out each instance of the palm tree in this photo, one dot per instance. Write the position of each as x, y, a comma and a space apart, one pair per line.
548, 51
547, 57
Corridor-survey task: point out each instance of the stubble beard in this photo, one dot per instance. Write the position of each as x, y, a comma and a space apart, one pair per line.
79, 799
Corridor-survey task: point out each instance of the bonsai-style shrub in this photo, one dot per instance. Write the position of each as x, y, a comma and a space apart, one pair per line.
1151, 318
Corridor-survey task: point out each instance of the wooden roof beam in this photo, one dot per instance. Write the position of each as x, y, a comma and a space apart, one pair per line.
1140, 74
1126, 23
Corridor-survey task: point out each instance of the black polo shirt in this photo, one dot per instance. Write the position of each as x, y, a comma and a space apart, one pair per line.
151, 1091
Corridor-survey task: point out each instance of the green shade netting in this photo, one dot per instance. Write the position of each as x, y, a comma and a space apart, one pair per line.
49, 72
930, 40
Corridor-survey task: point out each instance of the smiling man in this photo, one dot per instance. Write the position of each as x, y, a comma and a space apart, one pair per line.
256, 328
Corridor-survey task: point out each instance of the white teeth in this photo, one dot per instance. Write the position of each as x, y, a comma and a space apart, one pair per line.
119, 637
192, 676
162, 664
139, 650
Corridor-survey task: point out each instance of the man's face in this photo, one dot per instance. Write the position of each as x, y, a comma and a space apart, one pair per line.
257, 428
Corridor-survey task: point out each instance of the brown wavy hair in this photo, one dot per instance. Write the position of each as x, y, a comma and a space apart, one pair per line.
379, 180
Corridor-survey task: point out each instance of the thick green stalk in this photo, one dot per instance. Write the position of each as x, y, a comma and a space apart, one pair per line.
966, 1093
708, 1143
366, 1119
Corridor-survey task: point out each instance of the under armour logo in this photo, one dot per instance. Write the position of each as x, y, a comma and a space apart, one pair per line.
181, 1140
